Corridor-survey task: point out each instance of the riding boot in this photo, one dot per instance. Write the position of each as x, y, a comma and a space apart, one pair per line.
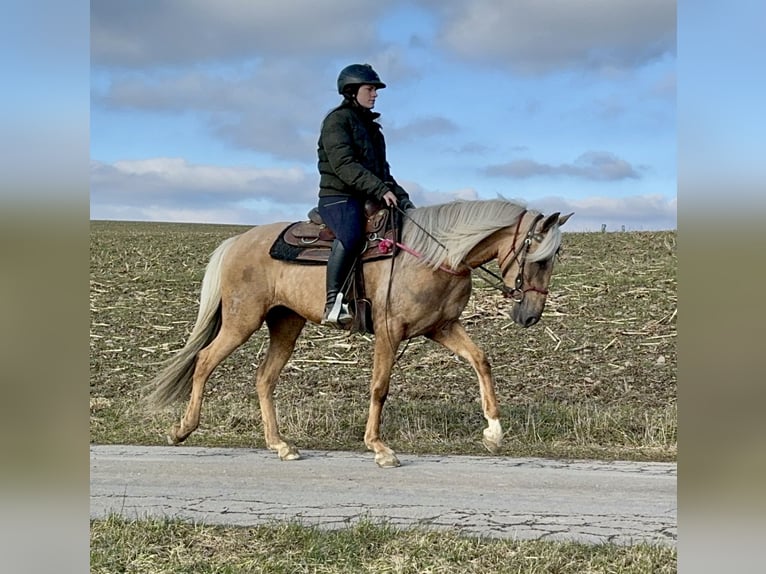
339, 265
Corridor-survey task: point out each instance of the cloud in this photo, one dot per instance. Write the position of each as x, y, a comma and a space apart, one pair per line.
539, 37
527, 35
422, 128
636, 212
164, 33
592, 165
265, 108
472, 148
423, 197
275, 63
174, 185
153, 212
172, 189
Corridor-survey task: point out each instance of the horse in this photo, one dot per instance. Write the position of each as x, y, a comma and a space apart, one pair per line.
422, 291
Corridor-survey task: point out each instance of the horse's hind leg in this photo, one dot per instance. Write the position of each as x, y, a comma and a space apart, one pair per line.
207, 360
284, 328
454, 338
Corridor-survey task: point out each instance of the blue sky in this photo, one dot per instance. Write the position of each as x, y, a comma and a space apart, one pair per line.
209, 112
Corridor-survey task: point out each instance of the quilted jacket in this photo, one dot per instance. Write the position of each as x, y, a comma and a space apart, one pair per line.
352, 155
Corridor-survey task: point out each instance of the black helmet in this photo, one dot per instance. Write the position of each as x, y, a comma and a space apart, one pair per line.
356, 75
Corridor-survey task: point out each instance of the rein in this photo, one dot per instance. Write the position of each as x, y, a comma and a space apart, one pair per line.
386, 246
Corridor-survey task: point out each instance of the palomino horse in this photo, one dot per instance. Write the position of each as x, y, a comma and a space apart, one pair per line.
430, 284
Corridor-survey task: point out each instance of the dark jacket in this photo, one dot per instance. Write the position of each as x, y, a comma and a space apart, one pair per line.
352, 156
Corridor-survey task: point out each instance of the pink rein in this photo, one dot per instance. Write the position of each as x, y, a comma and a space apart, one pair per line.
386, 246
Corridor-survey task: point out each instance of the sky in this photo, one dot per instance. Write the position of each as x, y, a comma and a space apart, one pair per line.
209, 111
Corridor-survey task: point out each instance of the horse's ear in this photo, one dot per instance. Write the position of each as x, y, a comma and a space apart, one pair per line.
564, 218
549, 221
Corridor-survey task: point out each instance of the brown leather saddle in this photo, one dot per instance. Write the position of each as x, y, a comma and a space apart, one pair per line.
309, 242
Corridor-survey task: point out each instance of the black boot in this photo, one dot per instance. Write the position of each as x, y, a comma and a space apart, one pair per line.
339, 265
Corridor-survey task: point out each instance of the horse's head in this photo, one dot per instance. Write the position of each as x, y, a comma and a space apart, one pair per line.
526, 264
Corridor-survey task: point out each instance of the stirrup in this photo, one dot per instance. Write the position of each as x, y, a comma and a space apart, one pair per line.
339, 315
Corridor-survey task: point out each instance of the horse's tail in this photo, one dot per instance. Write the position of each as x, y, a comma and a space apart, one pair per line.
174, 381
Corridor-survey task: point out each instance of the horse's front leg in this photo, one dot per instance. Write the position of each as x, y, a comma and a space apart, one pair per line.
454, 338
385, 351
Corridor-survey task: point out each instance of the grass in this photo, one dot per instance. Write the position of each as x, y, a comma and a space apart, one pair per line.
164, 546
426, 426
596, 378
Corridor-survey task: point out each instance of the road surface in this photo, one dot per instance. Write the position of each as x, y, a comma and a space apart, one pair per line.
499, 497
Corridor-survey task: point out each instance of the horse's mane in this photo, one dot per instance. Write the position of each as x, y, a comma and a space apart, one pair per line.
445, 233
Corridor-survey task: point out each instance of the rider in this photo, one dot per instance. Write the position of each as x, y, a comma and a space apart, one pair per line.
352, 168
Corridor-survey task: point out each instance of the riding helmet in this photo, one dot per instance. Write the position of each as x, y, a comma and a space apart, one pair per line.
355, 75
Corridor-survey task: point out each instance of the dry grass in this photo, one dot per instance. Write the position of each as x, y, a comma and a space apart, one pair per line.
595, 378
159, 546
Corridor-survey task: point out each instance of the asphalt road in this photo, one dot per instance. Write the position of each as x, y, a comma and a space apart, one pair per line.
523, 498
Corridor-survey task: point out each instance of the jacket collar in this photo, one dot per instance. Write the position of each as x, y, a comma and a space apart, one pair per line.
364, 113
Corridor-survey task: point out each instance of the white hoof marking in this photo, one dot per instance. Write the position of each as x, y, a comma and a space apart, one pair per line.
494, 432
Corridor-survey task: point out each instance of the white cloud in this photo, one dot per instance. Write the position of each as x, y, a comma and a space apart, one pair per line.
422, 197
270, 108
178, 173
172, 189
422, 128
173, 32
591, 165
636, 212
173, 184
538, 37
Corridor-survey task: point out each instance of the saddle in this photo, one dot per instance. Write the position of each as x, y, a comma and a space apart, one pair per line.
309, 243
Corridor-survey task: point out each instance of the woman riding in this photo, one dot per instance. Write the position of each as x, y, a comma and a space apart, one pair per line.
352, 168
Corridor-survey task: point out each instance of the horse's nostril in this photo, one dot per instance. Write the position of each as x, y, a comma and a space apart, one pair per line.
531, 321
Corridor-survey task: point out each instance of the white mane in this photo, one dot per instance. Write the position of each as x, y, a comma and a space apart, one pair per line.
458, 226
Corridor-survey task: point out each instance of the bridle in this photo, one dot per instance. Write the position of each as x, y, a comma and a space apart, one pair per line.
517, 255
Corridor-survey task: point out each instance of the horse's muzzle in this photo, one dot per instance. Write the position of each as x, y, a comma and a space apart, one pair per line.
531, 320
524, 318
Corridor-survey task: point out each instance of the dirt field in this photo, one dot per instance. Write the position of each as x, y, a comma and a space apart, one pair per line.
595, 378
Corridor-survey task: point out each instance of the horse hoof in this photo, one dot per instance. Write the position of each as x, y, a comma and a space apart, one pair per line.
492, 447
387, 460
172, 436
288, 452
